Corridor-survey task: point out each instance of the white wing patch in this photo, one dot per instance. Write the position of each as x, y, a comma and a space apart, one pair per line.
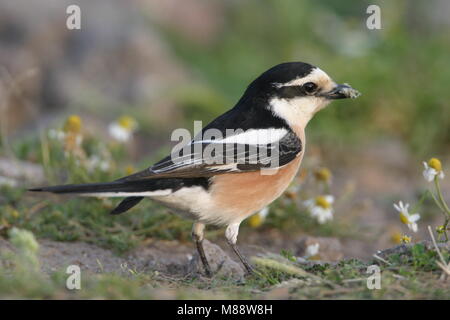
252, 137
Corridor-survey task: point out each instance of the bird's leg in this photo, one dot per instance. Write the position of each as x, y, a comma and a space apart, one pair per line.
197, 235
231, 234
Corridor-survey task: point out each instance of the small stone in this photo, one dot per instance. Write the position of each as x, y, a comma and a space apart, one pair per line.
15, 172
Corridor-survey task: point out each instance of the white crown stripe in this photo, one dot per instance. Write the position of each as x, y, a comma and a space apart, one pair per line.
314, 76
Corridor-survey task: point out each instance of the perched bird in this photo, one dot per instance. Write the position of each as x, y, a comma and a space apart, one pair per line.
239, 163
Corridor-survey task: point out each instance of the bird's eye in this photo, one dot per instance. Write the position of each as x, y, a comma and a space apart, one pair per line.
310, 87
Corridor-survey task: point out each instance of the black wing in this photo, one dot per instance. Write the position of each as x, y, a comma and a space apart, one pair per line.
209, 158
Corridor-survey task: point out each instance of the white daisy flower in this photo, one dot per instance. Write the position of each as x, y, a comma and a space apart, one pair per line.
321, 208
264, 212
122, 130
407, 218
312, 250
56, 134
432, 169
96, 162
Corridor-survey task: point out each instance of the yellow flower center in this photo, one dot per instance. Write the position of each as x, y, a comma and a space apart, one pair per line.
255, 220
435, 164
73, 124
403, 218
127, 122
406, 239
15, 213
130, 170
321, 201
323, 174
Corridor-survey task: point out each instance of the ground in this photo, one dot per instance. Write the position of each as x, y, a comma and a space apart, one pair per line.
168, 270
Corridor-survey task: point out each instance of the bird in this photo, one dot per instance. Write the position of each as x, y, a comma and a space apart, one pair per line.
236, 165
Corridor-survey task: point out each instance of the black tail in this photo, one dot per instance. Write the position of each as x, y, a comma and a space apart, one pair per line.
115, 186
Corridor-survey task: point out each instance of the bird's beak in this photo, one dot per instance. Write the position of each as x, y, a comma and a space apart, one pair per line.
341, 91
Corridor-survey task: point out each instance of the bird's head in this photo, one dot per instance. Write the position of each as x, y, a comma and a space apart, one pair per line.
295, 91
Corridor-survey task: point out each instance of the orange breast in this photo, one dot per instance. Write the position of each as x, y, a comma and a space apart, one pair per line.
245, 193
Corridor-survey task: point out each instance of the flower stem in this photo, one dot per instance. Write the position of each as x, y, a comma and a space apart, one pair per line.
447, 220
440, 196
442, 205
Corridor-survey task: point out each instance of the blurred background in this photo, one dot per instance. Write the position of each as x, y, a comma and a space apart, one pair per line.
157, 65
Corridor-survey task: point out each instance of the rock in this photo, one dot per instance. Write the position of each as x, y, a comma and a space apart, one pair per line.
330, 249
221, 264
16, 172
167, 257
